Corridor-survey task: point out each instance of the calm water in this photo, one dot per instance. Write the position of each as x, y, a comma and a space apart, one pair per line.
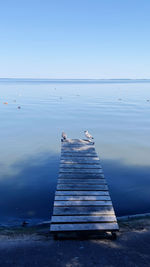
117, 113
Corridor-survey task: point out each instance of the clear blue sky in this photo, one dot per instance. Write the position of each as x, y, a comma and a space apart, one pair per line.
75, 38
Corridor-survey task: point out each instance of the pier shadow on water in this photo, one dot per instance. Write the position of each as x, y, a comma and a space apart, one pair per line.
129, 186
28, 193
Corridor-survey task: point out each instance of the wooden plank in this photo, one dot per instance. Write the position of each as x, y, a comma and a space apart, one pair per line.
74, 152
77, 141
80, 147
77, 154
82, 152
88, 146
82, 155
94, 210
61, 203
78, 150
80, 181
80, 198
74, 170
81, 187
79, 166
81, 193
78, 144
81, 175
82, 219
77, 157
63, 144
96, 158
80, 160
83, 147
85, 227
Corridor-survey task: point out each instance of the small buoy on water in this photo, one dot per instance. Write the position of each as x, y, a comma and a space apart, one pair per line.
19, 107
5, 103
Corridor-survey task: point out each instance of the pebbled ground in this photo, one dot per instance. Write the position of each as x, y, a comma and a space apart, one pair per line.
36, 247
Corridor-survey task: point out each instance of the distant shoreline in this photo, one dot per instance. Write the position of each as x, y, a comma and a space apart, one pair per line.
47, 80
77, 79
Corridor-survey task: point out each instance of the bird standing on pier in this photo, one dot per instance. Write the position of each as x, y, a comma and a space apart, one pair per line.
88, 135
64, 136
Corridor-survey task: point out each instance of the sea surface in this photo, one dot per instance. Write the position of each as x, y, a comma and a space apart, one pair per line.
33, 113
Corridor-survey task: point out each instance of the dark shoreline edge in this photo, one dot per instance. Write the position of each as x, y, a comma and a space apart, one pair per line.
46, 223
135, 216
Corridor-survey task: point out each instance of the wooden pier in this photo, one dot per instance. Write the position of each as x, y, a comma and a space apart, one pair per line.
82, 202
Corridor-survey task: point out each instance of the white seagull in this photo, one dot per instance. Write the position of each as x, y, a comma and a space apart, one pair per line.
88, 135
64, 136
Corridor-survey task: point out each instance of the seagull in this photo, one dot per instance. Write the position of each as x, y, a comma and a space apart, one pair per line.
88, 135
64, 136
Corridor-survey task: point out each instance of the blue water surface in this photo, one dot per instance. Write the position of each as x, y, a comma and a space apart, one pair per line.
116, 112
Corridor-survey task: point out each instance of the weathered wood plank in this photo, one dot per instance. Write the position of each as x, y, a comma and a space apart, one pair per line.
81, 175
77, 160
80, 160
84, 227
80, 181
81, 193
74, 158
78, 150
77, 141
81, 187
82, 219
80, 198
94, 210
86, 143
84, 153
79, 147
79, 166
77, 154
74, 170
75, 151
61, 203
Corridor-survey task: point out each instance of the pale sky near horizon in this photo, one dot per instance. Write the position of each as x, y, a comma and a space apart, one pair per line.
75, 39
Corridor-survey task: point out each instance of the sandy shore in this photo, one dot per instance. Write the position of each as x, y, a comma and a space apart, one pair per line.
34, 246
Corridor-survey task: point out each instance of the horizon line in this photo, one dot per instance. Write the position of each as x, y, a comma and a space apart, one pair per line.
17, 78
